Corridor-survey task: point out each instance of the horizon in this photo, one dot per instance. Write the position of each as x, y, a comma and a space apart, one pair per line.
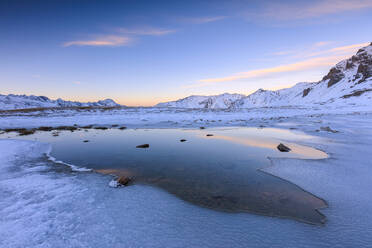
138, 54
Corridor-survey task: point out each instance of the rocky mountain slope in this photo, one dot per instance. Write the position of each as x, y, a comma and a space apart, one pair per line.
219, 101
348, 82
24, 102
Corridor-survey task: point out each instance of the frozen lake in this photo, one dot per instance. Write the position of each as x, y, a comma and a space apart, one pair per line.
214, 168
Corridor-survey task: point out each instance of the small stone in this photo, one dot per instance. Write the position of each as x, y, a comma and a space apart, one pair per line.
202, 127
123, 180
182, 140
283, 148
122, 128
143, 146
85, 141
328, 129
209, 135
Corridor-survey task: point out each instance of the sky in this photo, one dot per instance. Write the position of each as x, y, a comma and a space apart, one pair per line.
139, 53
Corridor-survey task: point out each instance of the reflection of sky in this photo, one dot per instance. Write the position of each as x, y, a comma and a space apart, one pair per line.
143, 52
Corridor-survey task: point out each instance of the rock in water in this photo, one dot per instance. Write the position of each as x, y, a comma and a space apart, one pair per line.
124, 181
143, 146
182, 140
328, 129
283, 148
209, 135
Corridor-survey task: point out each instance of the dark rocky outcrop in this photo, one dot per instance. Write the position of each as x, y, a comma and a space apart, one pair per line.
306, 92
283, 148
209, 135
356, 93
334, 76
182, 140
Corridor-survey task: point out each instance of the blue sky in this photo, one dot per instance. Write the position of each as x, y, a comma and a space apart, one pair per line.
144, 52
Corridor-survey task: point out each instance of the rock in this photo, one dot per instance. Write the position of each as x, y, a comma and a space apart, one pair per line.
209, 135
85, 141
124, 181
182, 140
328, 129
281, 147
122, 128
202, 127
143, 146
306, 92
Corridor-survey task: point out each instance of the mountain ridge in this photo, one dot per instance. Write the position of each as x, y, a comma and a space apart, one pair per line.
13, 101
348, 82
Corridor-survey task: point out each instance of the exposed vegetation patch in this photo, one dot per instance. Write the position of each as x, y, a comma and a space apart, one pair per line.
101, 128
69, 128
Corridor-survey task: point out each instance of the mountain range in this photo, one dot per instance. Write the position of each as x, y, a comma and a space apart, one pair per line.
348, 82
25, 102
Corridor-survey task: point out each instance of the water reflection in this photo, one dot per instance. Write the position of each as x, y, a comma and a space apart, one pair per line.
218, 172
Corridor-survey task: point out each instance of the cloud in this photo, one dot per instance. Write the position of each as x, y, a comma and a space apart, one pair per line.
201, 20
120, 37
109, 40
322, 43
146, 31
330, 57
343, 50
313, 9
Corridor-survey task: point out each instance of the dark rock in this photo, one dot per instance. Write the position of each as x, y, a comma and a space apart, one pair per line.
306, 92
182, 140
115, 125
328, 129
209, 135
88, 127
124, 181
85, 141
334, 76
356, 93
143, 146
122, 128
202, 127
281, 147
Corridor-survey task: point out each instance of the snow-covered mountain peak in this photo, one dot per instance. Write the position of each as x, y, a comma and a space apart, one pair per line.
348, 82
12, 101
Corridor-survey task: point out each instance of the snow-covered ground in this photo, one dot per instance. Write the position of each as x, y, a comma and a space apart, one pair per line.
47, 205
